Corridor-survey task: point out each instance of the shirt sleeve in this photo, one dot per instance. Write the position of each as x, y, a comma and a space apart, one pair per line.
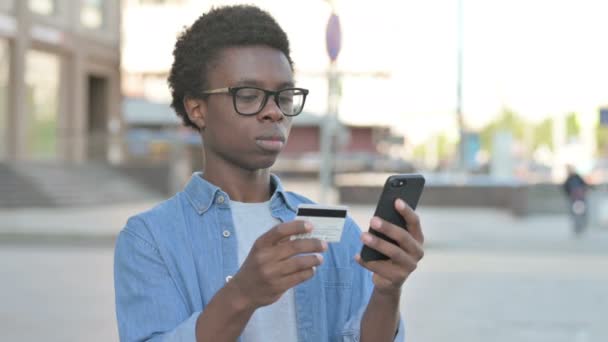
149, 306
352, 331
362, 295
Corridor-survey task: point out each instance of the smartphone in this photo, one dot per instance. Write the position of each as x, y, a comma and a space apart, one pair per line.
409, 188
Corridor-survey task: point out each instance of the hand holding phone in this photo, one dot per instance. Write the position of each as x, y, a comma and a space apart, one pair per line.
409, 188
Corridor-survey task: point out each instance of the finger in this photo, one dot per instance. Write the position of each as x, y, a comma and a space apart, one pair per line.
300, 263
403, 238
387, 270
394, 252
291, 236
282, 231
285, 239
297, 278
412, 219
300, 246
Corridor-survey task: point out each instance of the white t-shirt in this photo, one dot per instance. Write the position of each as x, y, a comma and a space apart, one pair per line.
275, 322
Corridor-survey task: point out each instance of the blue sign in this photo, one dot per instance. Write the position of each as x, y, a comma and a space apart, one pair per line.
472, 145
333, 37
604, 117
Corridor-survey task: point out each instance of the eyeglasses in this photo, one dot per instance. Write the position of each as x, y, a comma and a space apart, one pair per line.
251, 100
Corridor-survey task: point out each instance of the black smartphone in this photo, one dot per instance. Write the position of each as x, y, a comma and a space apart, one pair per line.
409, 188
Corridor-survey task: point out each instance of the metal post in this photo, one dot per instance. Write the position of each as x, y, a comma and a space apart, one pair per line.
328, 130
459, 116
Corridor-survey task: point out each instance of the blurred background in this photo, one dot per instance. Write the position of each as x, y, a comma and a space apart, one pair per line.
489, 100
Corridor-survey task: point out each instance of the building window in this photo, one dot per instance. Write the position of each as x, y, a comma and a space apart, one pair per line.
43, 7
4, 96
92, 13
42, 82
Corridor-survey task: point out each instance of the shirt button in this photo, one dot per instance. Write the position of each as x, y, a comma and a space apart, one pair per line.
226, 233
228, 278
220, 199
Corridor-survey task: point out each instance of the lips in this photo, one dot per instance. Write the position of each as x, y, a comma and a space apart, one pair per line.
272, 142
273, 138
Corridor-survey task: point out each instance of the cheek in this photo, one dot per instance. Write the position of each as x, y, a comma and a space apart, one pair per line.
222, 121
287, 130
224, 131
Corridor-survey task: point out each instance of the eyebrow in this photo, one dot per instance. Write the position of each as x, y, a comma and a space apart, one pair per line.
256, 83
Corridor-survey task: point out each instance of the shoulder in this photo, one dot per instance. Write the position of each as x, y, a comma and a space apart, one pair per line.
147, 224
295, 198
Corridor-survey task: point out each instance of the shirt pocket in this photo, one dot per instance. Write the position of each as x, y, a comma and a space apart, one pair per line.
337, 284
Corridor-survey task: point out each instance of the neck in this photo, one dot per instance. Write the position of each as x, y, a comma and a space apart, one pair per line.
252, 186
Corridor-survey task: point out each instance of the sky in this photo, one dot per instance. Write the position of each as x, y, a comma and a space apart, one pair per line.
539, 57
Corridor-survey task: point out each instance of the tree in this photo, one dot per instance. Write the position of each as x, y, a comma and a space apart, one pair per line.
543, 134
573, 128
441, 142
602, 139
507, 121
419, 151
445, 149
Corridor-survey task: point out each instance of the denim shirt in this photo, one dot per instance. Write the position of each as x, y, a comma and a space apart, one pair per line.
171, 260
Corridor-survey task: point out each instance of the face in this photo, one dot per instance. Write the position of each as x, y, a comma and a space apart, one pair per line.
247, 142
570, 169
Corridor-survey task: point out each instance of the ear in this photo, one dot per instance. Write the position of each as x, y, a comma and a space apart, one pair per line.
196, 110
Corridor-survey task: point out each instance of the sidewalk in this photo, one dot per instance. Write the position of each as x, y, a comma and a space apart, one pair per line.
100, 223
91, 223
444, 228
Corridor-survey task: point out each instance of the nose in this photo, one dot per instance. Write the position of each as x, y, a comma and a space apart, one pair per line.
271, 111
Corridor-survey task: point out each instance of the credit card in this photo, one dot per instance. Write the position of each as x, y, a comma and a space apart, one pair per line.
327, 220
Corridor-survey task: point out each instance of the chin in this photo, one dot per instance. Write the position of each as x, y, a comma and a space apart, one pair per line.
266, 165
261, 163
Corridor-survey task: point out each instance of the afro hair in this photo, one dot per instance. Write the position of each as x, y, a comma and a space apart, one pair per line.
199, 45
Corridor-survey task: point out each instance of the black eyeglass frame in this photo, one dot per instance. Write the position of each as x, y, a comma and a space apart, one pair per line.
267, 93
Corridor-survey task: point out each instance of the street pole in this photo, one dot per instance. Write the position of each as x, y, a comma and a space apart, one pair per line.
328, 132
330, 122
461, 133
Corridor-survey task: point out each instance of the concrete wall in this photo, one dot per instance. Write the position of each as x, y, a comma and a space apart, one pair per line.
520, 200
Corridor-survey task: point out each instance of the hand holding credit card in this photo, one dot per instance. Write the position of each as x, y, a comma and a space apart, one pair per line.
328, 221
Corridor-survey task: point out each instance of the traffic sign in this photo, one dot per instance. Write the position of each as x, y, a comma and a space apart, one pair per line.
604, 117
333, 37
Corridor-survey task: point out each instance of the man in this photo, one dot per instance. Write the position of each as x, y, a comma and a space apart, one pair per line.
216, 262
576, 188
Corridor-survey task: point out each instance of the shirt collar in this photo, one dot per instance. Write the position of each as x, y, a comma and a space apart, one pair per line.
280, 195
201, 194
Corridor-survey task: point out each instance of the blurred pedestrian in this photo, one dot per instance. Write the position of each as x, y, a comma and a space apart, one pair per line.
216, 262
576, 189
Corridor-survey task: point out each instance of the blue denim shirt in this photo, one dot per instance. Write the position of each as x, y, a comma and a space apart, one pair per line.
171, 260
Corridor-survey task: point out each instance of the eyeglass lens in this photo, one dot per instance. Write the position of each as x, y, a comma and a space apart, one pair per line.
250, 101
